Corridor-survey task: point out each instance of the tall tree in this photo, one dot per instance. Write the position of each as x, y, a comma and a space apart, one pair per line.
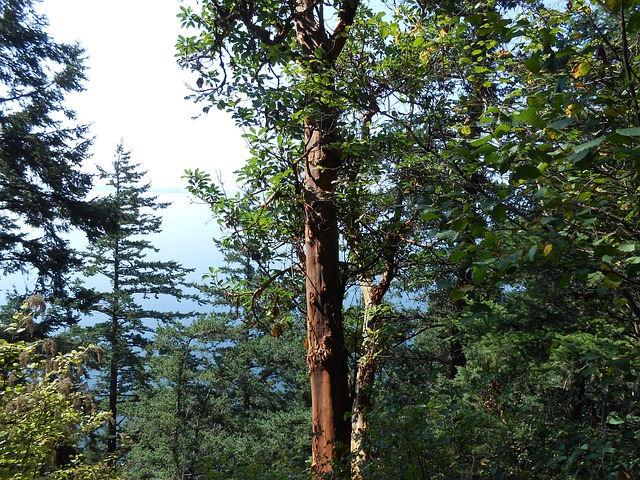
42, 189
255, 42
119, 257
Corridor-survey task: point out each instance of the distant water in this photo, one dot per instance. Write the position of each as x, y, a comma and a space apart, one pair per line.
187, 238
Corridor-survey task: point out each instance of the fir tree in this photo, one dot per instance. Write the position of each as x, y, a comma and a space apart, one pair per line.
120, 257
41, 149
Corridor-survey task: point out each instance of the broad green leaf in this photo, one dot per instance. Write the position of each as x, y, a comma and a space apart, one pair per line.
480, 141
612, 280
627, 247
590, 144
501, 130
562, 123
629, 132
499, 213
564, 281
478, 274
623, 364
526, 172
533, 64
614, 419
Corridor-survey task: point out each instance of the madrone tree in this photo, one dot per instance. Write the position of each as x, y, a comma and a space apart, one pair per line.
254, 44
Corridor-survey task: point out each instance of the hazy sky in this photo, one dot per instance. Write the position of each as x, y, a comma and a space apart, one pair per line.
136, 91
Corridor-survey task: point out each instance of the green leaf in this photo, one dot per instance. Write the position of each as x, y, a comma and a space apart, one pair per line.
614, 419
458, 255
633, 25
459, 224
564, 281
501, 130
533, 64
629, 132
627, 247
480, 308
526, 172
527, 115
612, 280
448, 235
586, 146
622, 364
478, 274
480, 141
499, 213
562, 123
561, 84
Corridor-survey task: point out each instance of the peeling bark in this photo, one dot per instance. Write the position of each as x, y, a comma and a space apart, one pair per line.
326, 355
365, 376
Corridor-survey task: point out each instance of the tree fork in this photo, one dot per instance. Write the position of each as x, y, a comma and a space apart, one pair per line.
326, 354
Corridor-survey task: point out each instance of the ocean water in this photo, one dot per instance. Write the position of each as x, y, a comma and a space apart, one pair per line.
188, 230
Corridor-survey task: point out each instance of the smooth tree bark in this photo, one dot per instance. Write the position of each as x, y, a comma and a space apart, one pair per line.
326, 352
249, 40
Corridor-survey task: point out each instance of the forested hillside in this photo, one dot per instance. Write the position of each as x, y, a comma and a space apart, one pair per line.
431, 262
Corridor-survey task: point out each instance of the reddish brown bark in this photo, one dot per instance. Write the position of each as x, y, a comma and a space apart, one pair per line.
326, 356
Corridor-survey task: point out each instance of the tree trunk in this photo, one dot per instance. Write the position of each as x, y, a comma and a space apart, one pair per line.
112, 430
326, 354
113, 403
365, 376
367, 367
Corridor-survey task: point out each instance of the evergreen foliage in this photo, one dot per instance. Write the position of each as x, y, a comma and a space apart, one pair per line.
42, 189
224, 401
125, 307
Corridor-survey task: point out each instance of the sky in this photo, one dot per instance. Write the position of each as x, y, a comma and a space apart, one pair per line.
136, 90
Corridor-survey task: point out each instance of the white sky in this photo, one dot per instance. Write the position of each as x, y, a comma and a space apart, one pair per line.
136, 90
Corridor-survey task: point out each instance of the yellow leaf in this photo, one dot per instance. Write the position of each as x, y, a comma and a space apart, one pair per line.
466, 130
571, 110
581, 70
547, 249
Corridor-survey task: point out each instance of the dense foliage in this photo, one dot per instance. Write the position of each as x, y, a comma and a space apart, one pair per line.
42, 188
467, 177
45, 410
486, 201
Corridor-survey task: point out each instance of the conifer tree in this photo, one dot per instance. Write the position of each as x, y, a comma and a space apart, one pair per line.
120, 258
42, 189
